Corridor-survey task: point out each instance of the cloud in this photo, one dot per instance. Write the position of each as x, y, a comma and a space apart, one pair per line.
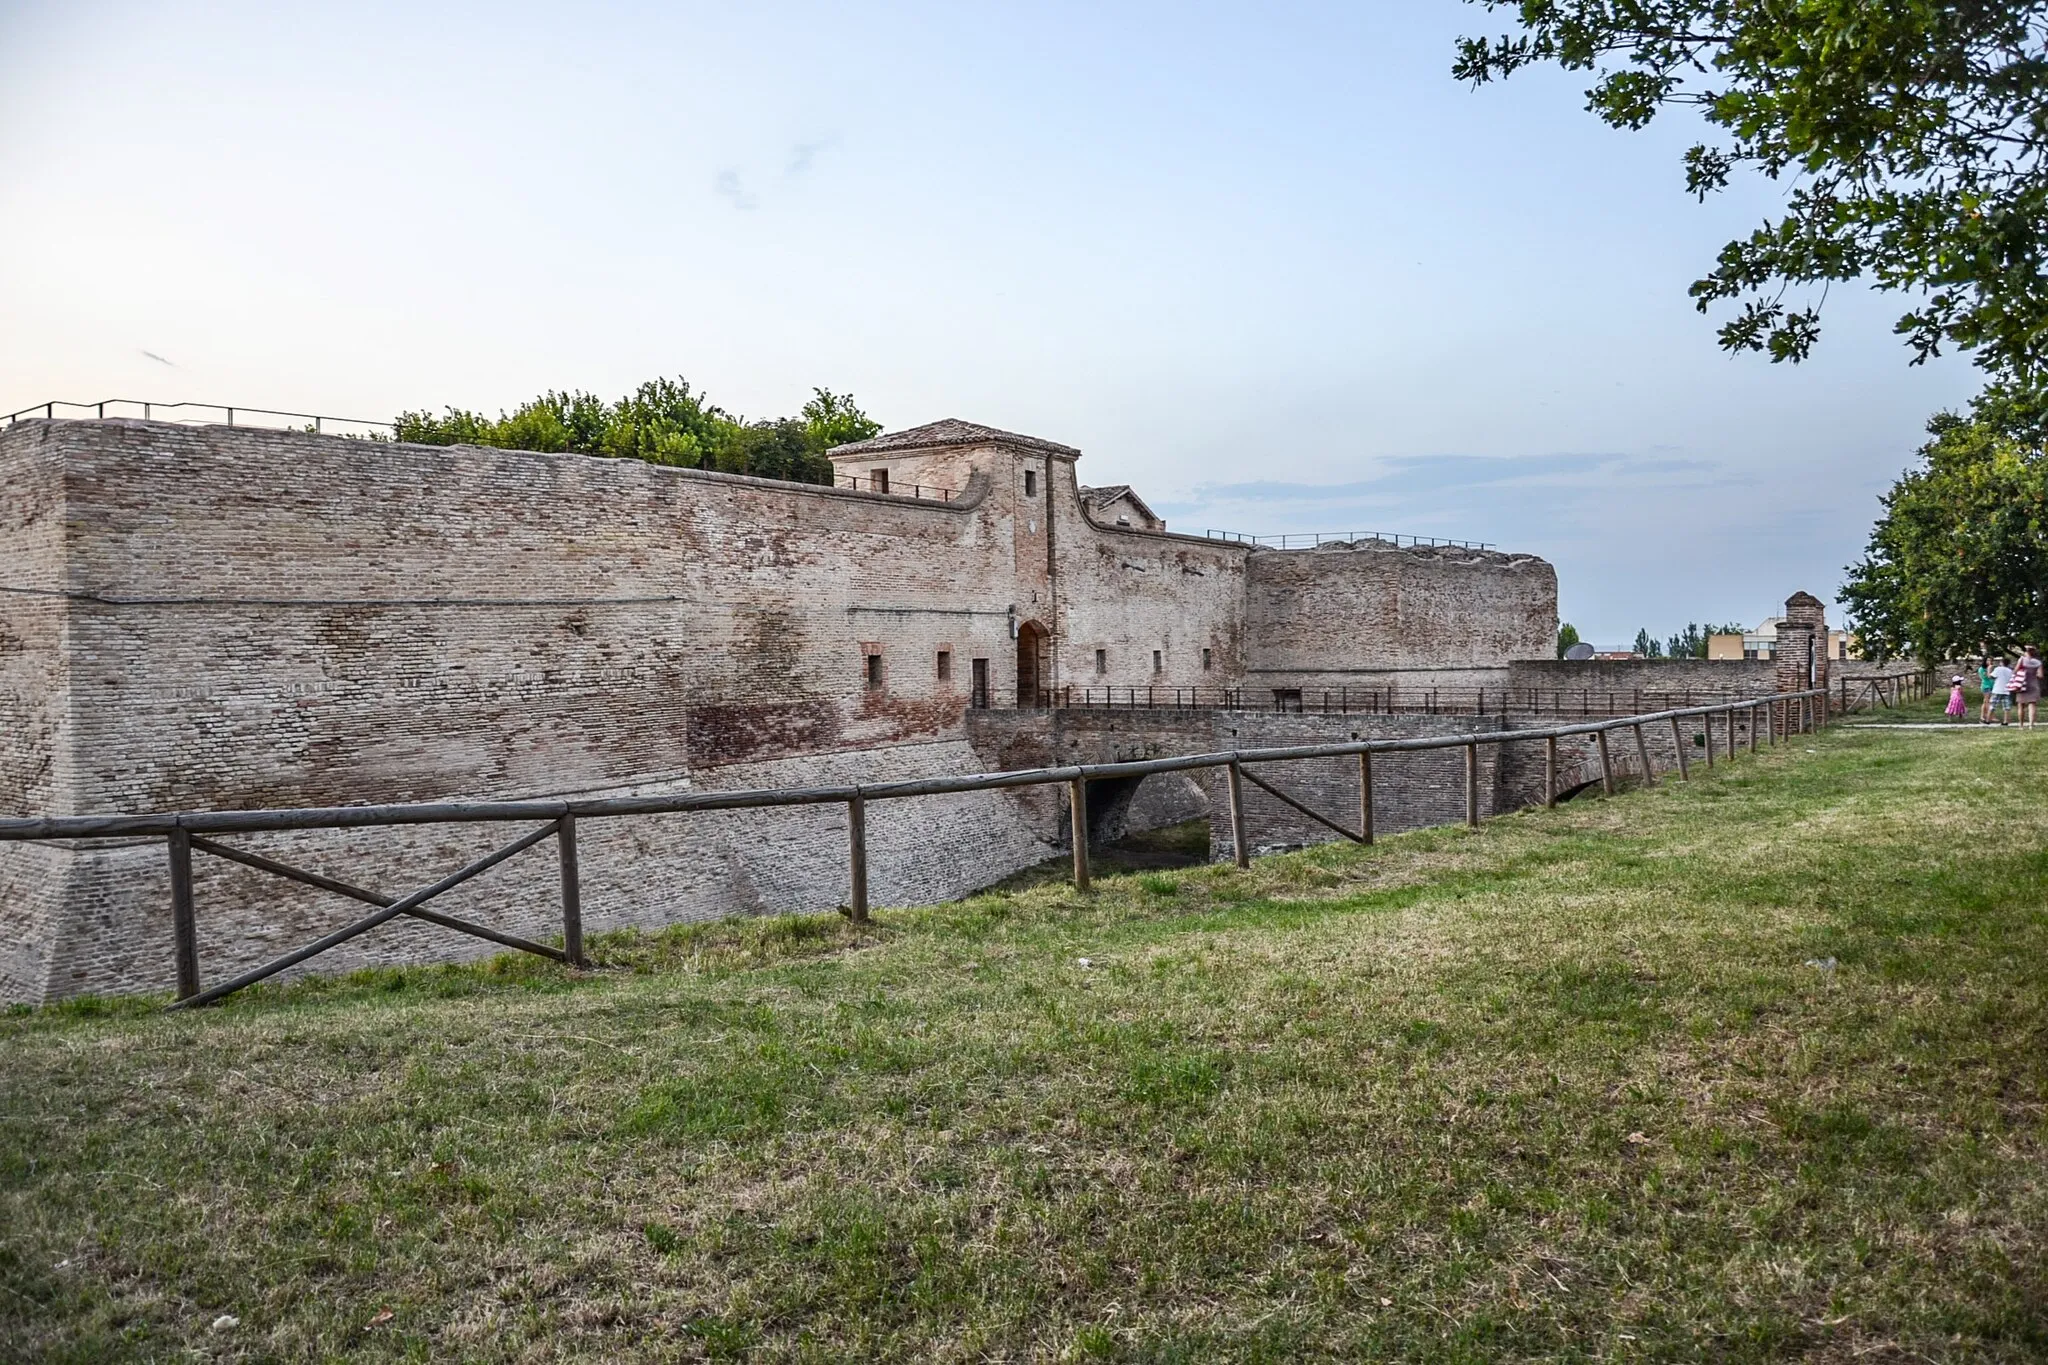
160, 360
731, 187
801, 158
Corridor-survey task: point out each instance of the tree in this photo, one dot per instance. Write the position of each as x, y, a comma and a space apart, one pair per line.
1912, 134
1567, 636
1691, 643
663, 422
1647, 646
1958, 563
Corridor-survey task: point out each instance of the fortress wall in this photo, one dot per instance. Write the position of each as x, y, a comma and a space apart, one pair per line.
35, 751
32, 619
311, 620
1378, 616
258, 618
1622, 678
1129, 593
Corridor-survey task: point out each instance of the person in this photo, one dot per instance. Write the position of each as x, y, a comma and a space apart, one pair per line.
1984, 690
2001, 691
2026, 687
1957, 709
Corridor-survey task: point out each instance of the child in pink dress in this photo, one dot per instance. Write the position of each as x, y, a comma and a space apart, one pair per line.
1956, 709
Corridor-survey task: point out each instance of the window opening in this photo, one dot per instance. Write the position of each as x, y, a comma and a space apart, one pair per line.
878, 479
874, 670
980, 673
1030, 483
1158, 662
1101, 662
945, 665
1205, 661
1287, 699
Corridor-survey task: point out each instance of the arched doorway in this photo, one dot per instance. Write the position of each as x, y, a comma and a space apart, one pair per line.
1034, 670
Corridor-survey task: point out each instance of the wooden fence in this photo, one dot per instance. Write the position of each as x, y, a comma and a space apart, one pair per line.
186, 833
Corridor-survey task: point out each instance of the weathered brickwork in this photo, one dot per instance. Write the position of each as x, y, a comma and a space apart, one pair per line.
206, 618
1374, 616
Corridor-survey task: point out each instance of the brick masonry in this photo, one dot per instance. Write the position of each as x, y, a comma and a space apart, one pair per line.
226, 618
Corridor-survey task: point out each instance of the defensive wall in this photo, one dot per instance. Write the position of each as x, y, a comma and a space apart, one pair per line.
228, 618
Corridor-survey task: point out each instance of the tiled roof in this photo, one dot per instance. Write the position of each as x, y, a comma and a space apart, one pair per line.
1098, 498
950, 431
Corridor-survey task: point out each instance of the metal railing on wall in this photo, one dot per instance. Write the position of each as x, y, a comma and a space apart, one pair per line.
1309, 540
871, 484
1583, 702
204, 414
187, 833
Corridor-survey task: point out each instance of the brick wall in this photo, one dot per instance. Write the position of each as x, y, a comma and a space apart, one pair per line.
207, 618
1375, 616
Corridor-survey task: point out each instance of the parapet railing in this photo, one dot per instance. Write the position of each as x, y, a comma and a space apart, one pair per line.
184, 833
1584, 702
895, 490
202, 414
1308, 540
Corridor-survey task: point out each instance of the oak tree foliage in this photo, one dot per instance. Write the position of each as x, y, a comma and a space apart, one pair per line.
1909, 134
663, 421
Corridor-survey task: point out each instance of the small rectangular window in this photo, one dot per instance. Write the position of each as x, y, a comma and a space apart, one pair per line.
878, 479
1158, 662
980, 699
874, 670
1101, 662
1205, 661
1030, 483
945, 665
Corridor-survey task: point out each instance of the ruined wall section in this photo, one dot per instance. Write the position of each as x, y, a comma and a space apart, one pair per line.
1371, 616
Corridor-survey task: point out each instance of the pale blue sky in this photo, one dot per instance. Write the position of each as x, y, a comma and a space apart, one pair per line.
1270, 264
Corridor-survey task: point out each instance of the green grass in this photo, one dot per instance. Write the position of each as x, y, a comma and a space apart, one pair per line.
1568, 1087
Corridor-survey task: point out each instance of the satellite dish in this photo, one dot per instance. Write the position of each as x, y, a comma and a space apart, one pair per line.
1580, 652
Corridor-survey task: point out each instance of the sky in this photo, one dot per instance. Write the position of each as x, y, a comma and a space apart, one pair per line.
1270, 264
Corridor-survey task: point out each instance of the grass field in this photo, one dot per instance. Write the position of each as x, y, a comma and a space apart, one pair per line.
1748, 1069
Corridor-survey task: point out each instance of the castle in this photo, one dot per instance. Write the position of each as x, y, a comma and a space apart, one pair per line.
226, 617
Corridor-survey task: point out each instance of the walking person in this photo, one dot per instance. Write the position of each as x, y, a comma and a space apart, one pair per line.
1957, 707
2001, 691
1984, 690
2026, 687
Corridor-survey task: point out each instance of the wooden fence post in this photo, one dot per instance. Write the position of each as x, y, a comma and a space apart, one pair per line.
1678, 747
184, 928
1472, 784
1365, 798
1643, 752
1606, 764
1752, 726
1707, 723
572, 891
1550, 771
1077, 811
857, 858
1240, 852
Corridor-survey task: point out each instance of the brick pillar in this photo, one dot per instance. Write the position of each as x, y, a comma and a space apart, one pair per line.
1802, 649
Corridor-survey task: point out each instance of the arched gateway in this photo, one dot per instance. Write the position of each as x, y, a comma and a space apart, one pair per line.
1034, 664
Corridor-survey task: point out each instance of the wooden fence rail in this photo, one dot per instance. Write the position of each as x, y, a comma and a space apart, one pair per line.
186, 832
